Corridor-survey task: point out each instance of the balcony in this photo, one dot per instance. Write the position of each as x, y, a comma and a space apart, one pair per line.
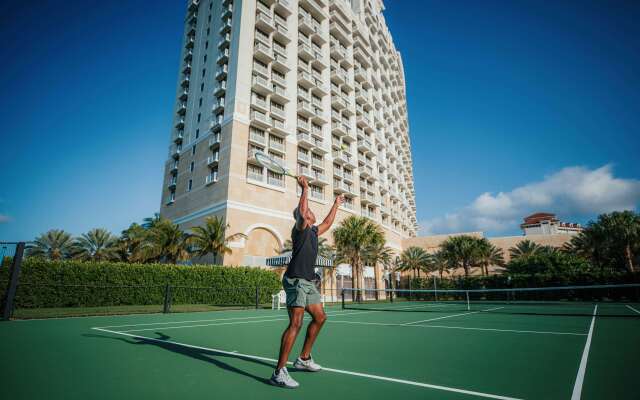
340, 32
278, 112
315, 8
259, 103
305, 171
211, 178
172, 184
178, 137
226, 26
347, 175
175, 151
218, 106
262, 52
305, 108
227, 11
279, 93
214, 141
304, 50
317, 162
188, 55
180, 123
221, 88
174, 168
260, 119
223, 57
184, 93
264, 21
279, 127
261, 85
221, 72
305, 139
190, 42
276, 146
193, 5
283, 7
185, 81
339, 186
282, 32
213, 160
182, 108
319, 178
280, 61
304, 157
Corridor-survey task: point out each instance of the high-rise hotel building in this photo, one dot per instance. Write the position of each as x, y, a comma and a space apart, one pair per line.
318, 85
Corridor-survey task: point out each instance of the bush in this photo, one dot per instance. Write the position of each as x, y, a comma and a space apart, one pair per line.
90, 284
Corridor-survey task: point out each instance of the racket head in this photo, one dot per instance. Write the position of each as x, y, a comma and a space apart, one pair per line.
269, 163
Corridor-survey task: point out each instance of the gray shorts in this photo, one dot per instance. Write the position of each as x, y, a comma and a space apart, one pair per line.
300, 292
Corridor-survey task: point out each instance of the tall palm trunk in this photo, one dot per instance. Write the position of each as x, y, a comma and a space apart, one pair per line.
628, 257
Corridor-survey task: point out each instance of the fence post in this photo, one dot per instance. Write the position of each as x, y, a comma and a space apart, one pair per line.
12, 287
167, 299
342, 295
257, 297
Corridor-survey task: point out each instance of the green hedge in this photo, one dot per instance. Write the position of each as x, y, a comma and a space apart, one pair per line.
86, 284
526, 281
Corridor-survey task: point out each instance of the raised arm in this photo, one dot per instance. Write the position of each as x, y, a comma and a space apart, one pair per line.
328, 220
303, 204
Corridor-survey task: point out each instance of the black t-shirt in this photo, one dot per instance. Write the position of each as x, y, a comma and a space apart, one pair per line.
304, 253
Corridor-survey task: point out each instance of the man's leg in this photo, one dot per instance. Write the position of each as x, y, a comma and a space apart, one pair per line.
319, 317
289, 335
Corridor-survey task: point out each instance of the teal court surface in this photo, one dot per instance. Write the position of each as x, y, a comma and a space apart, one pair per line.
418, 352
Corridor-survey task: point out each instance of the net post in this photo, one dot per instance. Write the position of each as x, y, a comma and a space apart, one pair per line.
435, 287
409, 294
167, 299
468, 305
342, 295
12, 287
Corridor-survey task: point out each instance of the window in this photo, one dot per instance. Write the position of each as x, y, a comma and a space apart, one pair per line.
254, 172
210, 15
208, 31
206, 45
204, 71
202, 87
193, 150
191, 166
200, 102
190, 185
199, 116
205, 58
197, 133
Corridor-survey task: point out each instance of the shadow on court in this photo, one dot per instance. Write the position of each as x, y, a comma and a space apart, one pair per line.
209, 356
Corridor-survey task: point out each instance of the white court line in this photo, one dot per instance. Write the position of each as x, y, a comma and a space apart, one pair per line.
577, 388
338, 371
631, 308
451, 316
459, 327
329, 313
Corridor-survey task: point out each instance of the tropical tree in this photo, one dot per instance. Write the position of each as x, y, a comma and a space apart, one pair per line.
150, 222
352, 237
623, 231
461, 252
165, 242
324, 249
376, 254
52, 245
523, 249
212, 238
440, 262
130, 243
415, 259
488, 254
96, 245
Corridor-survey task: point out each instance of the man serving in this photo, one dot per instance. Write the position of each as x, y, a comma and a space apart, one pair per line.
302, 294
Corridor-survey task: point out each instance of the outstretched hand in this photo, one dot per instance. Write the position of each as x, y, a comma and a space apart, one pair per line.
302, 181
339, 200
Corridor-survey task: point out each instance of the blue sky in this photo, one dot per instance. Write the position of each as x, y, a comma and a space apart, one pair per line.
513, 108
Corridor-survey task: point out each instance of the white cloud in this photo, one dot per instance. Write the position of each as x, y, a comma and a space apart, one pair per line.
576, 192
4, 218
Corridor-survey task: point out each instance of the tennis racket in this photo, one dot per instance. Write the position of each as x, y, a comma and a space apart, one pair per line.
272, 165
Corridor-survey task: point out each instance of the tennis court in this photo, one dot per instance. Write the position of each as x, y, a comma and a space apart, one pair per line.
424, 350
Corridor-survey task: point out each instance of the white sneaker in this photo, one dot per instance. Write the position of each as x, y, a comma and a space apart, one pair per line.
306, 365
283, 379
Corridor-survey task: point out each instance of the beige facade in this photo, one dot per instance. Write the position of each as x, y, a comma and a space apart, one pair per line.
318, 85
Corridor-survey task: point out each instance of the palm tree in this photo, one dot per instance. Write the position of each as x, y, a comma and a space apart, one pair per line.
489, 254
351, 238
415, 259
52, 245
525, 248
378, 254
461, 252
211, 238
623, 230
96, 245
165, 242
440, 263
324, 249
150, 222
591, 244
130, 243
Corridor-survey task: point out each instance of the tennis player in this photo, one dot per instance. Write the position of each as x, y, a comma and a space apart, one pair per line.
302, 294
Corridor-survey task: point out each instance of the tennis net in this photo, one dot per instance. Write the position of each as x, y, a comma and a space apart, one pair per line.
612, 300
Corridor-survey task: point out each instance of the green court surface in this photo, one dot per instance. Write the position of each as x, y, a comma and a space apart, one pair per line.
439, 354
